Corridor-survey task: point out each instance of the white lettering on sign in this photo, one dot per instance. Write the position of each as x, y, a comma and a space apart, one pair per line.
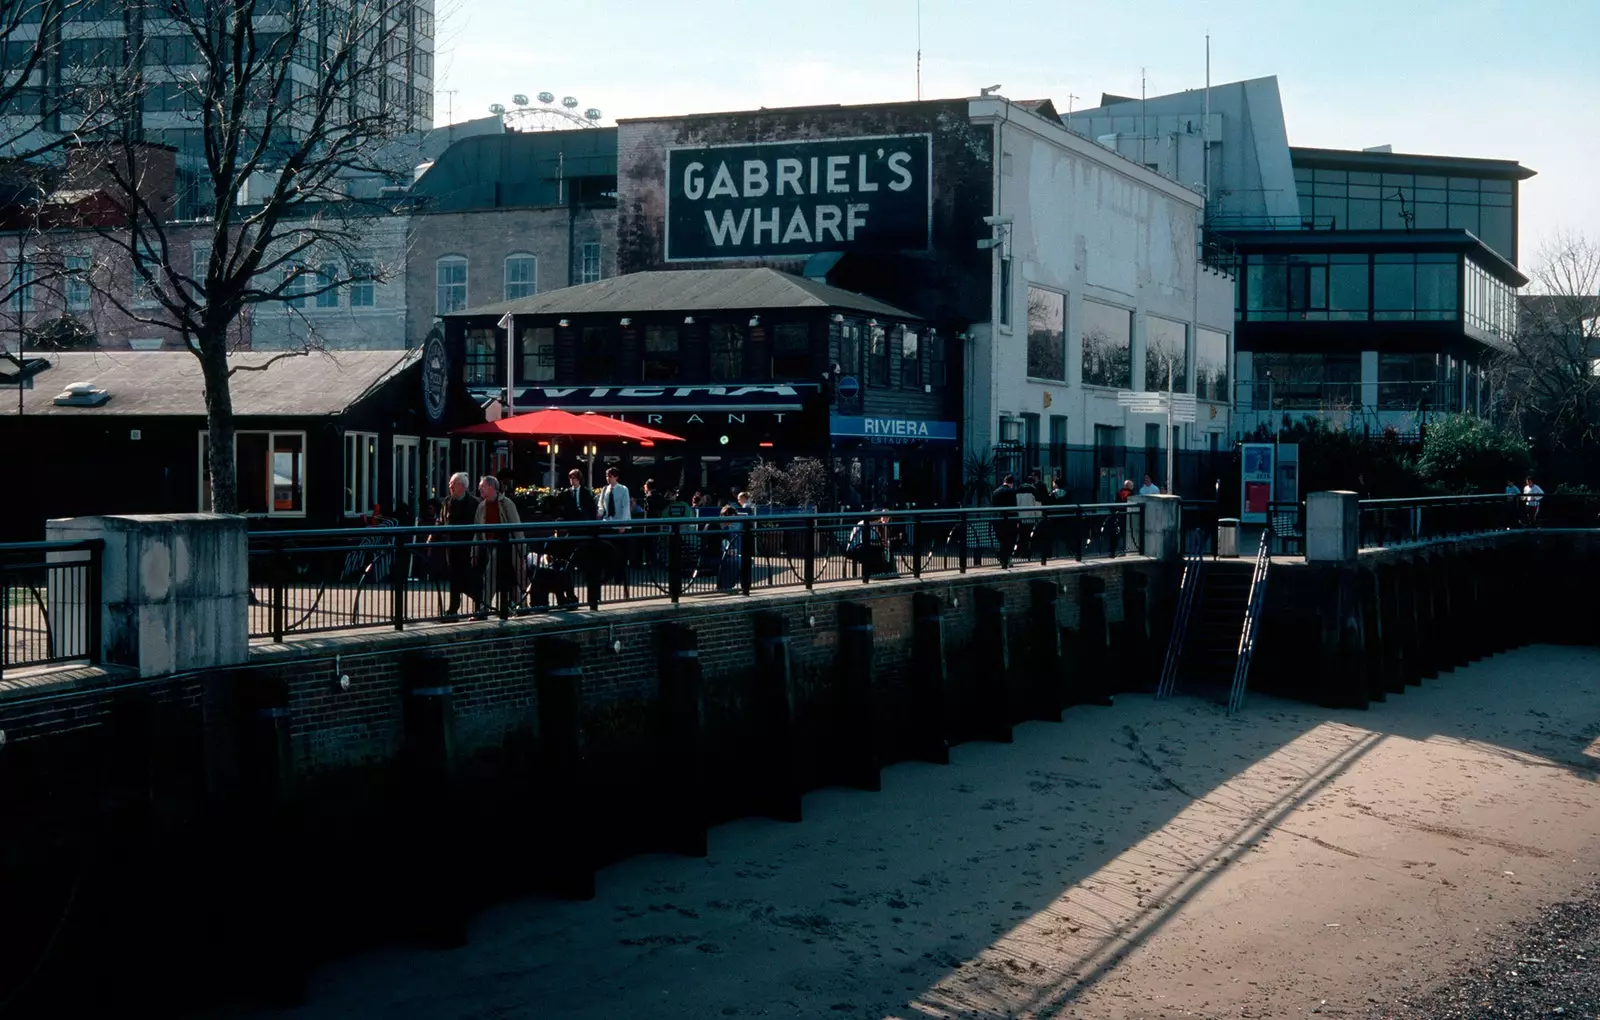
838, 174
755, 178
722, 184
853, 219
894, 427
652, 419
720, 233
694, 186
799, 228
735, 419
789, 171
862, 184
828, 217
899, 165
696, 417
766, 226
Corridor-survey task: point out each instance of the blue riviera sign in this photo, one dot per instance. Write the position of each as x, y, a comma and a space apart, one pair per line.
892, 431
799, 198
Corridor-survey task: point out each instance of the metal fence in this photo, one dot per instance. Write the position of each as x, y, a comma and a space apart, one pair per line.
309, 581
49, 603
1386, 522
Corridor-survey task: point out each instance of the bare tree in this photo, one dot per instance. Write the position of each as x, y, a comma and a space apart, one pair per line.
1549, 370
291, 101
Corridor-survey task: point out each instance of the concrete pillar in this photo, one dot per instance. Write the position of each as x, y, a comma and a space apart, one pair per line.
774, 696
992, 668
857, 673
1046, 670
1333, 526
930, 681
682, 713
1163, 526
174, 588
568, 836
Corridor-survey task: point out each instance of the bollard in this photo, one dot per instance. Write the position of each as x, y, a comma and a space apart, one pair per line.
1135, 646
774, 703
682, 720
930, 681
432, 844
1046, 689
569, 840
1371, 633
856, 676
1091, 653
991, 676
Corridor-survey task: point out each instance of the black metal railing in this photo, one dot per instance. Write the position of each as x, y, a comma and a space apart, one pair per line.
308, 581
1386, 522
49, 602
1252, 622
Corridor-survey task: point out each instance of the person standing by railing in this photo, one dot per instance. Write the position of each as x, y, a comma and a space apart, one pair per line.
460, 510
1530, 498
1005, 525
502, 566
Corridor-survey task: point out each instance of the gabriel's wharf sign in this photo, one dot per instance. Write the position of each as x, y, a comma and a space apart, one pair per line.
799, 198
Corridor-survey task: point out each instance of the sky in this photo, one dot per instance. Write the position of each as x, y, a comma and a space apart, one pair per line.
1505, 79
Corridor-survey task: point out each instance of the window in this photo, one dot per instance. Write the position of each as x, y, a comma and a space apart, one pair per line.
327, 292
294, 286
437, 478
1058, 444
910, 359
1365, 200
1005, 291
1166, 349
269, 473
145, 343
450, 282
1437, 286
480, 364
877, 354
472, 459
522, 276
146, 273
1408, 381
404, 478
363, 284
850, 347
21, 283
938, 370
589, 271
662, 359
360, 472
538, 348
1491, 306
1210, 364
1047, 335
199, 266
594, 361
1347, 288
1307, 382
77, 283
1107, 345
791, 351
727, 352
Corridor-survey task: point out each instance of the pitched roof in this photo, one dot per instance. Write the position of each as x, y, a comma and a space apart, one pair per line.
690, 290
169, 382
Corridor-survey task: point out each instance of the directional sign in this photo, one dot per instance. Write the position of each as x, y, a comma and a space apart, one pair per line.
1144, 402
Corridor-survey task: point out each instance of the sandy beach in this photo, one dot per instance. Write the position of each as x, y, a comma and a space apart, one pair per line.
1150, 859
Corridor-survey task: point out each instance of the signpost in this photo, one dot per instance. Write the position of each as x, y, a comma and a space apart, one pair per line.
1178, 407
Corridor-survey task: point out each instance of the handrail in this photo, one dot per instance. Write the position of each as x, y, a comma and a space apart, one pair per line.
1188, 594
1252, 619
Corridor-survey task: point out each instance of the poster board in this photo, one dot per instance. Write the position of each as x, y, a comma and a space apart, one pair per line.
1256, 481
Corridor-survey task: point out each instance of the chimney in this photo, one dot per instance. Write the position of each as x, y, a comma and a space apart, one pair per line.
154, 169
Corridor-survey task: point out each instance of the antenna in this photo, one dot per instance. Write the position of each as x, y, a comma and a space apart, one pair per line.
1070, 98
1205, 129
1142, 124
450, 112
919, 51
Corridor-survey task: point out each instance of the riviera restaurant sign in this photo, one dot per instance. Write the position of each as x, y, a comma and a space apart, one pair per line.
800, 198
892, 431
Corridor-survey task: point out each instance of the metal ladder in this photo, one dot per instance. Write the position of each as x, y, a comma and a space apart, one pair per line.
1252, 622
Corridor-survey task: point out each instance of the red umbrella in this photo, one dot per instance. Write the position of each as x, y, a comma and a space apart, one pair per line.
553, 422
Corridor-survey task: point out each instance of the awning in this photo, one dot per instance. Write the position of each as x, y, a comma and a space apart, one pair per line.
625, 399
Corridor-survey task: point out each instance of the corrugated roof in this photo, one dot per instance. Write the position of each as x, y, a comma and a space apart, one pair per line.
169, 382
691, 290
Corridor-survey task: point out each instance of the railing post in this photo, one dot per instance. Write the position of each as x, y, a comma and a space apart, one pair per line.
747, 552
1077, 532
1042, 534
811, 551
916, 547
278, 569
675, 562
962, 521
397, 582
92, 600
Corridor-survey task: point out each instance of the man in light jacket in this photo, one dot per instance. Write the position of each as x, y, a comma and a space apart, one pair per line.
616, 504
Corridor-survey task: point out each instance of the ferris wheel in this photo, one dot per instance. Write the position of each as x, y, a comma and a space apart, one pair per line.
547, 115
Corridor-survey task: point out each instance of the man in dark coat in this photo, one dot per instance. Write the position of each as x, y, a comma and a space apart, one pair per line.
460, 510
1005, 525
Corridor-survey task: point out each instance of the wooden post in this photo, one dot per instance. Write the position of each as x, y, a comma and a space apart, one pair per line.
856, 678
433, 846
1047, 670
992, 675
682, 709
774, 717
569, 839
929, 681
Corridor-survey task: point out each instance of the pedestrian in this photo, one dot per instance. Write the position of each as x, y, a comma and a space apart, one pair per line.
1005, 525
655, 502
502, 566
459, 510
1531, 494
577, 503
1126, 492
1149, 488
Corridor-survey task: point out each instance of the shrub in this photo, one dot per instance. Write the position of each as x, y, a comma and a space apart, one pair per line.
1462, 453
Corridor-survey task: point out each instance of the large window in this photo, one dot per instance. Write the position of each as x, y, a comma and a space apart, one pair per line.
1409, 382
438, 469
791, 351
1365, 200
1210, 364
727, 352
360, 472
480, 365
594, 354
1404, 286
1421, 286
21, 283
1491, 306
910, 359
1166, 354
938, 369
590, 268
877, 354
522, 276
327, 289
363, 285
662, 360
295, 285
1307, 382
269, 471
77, 288
450, 284
850, 347
538, 348
1107, 345
1047, 335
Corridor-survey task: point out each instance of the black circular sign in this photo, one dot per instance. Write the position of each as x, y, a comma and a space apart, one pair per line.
849, 386
435, 378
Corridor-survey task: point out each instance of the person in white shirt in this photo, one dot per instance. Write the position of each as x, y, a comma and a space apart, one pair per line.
615, 502
1530, 496
1149, 488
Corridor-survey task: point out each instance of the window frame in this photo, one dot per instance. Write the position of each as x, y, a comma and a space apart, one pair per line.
203, 453
591, 263
529, 353
361, 471
77, 295
1029, 364
328, 294
531, 283
1180, 379
440, 285
649, 356
1084, 378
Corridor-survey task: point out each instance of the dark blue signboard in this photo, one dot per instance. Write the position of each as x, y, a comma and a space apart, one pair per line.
892, 431
799, 198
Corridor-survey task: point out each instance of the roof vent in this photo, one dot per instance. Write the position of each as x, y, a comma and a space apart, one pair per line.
82, 394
